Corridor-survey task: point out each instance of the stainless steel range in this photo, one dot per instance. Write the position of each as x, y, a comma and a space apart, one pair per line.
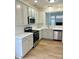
35, 35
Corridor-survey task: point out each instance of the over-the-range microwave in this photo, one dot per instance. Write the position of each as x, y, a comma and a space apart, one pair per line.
31, 20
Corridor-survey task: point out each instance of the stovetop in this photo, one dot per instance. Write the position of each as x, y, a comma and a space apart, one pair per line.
34, 31
29, 29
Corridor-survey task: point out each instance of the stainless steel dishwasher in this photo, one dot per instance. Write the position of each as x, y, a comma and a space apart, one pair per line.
57, 34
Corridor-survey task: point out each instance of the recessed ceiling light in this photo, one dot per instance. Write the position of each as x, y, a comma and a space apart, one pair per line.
35, 1
18, 6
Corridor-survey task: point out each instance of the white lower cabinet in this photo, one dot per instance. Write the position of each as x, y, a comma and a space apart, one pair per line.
55, 35
47, 33
40, 34
30, 42
23, 46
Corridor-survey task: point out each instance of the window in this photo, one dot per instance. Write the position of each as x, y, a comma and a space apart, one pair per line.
52, 20
53, 17
59, 18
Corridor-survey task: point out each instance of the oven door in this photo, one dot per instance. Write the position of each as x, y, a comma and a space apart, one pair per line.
36, 36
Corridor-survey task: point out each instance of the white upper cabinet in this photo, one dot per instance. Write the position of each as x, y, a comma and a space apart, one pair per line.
33, 13
25, 14
22, 12
36, 16
19, 14
30, 11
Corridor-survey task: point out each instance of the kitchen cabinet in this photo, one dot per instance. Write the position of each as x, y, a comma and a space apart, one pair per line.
47, 33
33, 13
22, 12
23, 45
25, 14
36, 16
19, 13
40, 34
30, 11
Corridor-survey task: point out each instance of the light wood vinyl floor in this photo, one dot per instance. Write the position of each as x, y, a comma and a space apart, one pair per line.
46, 49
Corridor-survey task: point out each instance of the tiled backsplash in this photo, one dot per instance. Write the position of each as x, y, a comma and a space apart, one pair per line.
20, 28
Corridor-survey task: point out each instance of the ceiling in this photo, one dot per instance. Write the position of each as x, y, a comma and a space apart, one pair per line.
44, 3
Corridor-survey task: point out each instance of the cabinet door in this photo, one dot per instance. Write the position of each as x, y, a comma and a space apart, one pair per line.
25, 14
55, 35
24, 46
27, 44
30, 11
50, 33
33, 13
40, 34
19, 14
36, 16
30, 41
47, 33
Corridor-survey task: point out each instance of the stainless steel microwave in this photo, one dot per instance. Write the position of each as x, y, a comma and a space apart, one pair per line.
31, 20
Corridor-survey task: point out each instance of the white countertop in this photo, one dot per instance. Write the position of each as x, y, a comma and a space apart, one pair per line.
22, 35
38, 28
58, 28
53, 28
